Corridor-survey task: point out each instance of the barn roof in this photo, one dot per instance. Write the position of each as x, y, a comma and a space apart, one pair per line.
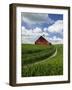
41, 37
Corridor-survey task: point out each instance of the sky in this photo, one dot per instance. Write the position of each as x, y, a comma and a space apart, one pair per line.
34, 25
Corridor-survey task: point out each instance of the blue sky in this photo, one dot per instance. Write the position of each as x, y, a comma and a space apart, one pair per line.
38, 24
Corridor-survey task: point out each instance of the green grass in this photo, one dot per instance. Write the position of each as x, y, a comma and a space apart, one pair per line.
38, 53
31, 48
36, 61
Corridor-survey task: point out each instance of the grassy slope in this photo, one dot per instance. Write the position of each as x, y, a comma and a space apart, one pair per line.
49, 66
35, 53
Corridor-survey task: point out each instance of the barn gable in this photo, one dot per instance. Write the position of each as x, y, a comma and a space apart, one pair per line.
42, 41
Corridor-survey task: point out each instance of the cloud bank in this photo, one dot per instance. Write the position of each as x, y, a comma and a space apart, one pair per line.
36, 18
52, 30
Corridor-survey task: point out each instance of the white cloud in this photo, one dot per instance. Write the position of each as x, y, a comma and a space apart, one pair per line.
56, 27
55, 40
33, 18
37, 30
45, 29
26, 31
29, 36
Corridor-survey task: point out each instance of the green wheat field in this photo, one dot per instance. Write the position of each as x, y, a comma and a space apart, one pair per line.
41, 60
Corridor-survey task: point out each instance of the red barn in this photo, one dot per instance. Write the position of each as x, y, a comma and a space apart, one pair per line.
42, 41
